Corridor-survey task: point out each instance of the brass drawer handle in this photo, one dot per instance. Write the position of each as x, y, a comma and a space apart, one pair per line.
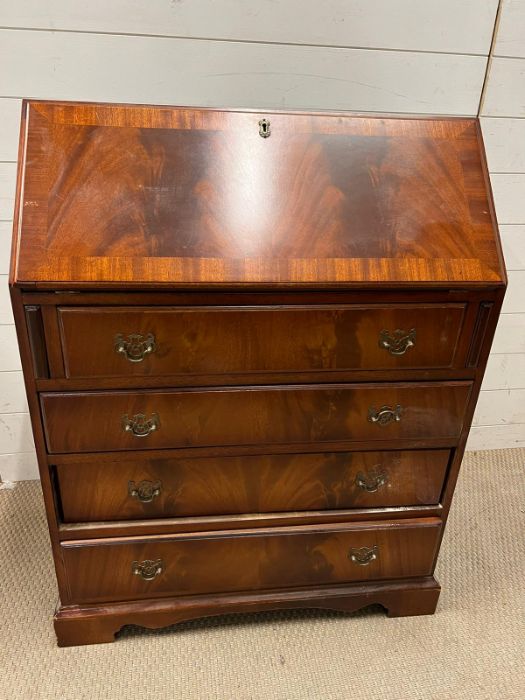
145, 490
147, 569
363, 555
135, 347
139, 426
372, 481
398, 342
384, 415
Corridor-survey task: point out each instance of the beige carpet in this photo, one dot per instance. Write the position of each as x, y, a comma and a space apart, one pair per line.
472, 649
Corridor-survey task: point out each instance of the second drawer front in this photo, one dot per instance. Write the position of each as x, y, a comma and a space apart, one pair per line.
139, 342
226, 561
249, 484
105, 421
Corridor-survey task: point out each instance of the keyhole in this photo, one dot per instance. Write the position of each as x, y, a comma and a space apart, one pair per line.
264, 128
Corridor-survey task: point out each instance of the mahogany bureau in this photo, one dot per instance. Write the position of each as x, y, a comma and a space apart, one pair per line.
252, 345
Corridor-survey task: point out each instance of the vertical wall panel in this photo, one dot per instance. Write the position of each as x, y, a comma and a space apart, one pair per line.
511, 31
9, 355
510, 334
513, 241
18, 466
5, 246
509, 197
6, 313
505, 144
499, 416
7, 190
10, 110
505, 93
13, 396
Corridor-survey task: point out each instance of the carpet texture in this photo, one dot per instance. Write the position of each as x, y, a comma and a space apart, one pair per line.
473, 648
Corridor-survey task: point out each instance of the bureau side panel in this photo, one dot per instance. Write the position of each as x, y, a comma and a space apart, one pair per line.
38, 434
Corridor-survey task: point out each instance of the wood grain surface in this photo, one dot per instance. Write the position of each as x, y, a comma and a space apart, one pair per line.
250, 484
221, 340
185, 196
268, 439
98, 623
101, 570
93, 421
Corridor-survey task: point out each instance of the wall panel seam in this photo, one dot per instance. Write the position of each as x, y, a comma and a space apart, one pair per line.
490, 57
514, 58
237, 41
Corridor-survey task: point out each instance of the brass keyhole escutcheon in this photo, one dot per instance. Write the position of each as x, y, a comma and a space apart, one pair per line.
264, 128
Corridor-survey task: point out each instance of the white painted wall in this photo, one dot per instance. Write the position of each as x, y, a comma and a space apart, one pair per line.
500, 418
408, 56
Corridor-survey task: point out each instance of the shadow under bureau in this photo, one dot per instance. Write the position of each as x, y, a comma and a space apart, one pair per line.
252, 346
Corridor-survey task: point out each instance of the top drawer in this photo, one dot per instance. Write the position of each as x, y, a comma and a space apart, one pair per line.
162, 341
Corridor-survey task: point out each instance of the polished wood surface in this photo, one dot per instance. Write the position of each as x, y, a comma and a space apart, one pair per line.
268, 304
268, 272
304, 556
180, 197
250, 484
35, 330
69, 532
217, 340
97, 623
93, 422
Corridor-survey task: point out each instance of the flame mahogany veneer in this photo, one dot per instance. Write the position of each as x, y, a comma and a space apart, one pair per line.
252, 346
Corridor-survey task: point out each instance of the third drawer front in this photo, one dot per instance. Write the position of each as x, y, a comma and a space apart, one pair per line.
124, 420
166, 488
253, 560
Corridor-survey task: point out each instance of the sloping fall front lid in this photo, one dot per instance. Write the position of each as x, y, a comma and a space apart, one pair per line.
161, 196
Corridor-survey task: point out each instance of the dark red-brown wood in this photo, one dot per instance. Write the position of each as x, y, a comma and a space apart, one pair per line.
143, 214
35, 330
215, 340
93, 624
249, 484
93, 422
102, 570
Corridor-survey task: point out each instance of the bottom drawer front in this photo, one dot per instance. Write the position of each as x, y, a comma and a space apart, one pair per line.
249, 484
226, 561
